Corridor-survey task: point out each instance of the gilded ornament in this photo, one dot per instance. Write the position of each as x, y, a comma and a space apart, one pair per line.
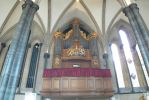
95, 61
76, 50
93, 35
57, 34
57, 61
68, 34
84, 35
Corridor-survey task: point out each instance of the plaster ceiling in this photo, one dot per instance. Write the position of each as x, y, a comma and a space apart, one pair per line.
99, 15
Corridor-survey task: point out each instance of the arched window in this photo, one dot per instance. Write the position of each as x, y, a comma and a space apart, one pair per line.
129, 59
33, 66
142, 64
118, 67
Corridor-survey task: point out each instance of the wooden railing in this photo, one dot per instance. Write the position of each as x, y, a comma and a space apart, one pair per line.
94, 85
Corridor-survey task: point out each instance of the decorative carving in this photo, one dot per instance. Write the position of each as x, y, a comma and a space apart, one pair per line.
57, 60
67, 35
93, 35
95, 60
76, 49
84, 35
57, 34
76, 21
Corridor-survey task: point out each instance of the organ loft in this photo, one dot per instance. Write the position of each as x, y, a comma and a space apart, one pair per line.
76, 68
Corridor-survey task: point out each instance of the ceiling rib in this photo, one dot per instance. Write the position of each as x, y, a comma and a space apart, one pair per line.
8, 16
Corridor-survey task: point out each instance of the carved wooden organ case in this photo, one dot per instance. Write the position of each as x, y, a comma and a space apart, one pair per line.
76, 70
75, 48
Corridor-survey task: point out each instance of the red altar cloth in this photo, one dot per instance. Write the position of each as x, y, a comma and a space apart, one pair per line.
76, 72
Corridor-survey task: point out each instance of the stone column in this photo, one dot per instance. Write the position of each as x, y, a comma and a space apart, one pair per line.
22, 71
140, 22
138, 35
16, 53
2, 45
46, 57
105, 57
11, 53
94, 49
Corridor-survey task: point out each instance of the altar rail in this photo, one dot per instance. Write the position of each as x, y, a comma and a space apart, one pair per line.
77, 72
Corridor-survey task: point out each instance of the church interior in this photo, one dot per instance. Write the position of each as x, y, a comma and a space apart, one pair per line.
74, 50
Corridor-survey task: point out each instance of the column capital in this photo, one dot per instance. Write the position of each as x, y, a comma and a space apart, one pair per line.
31, 4
126, 10
35, 6
46, 55
3, 45
133, 6
27, 2
105, 56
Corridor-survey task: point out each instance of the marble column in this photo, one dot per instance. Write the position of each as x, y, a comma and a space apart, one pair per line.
11, 53
140, 22
138, 35
14, 60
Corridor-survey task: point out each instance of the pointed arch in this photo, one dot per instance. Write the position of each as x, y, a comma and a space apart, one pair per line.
8, 16
91, 16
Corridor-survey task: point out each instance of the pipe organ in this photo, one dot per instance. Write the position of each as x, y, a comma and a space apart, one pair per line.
76, 70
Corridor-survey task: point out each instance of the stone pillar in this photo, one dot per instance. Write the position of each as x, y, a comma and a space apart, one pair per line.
105, 57
14, 60
3, 56
46, 57
58, 49
138, 35
94, 49
2, 45
140, 22
37, 67
22, 71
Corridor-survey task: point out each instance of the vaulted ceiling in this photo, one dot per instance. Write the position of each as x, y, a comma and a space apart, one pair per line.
100, 15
